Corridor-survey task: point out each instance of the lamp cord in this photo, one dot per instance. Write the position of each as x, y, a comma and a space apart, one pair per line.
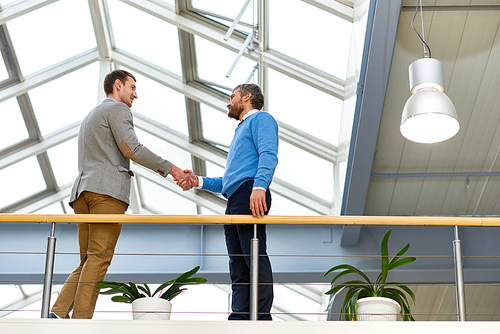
412, 21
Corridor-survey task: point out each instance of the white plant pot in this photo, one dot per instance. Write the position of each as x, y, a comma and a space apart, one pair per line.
377, 309
151, 308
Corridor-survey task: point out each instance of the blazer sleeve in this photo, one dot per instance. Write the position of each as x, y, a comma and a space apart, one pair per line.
122, 126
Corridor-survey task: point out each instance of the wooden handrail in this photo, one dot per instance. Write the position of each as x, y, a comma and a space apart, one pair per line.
247, 219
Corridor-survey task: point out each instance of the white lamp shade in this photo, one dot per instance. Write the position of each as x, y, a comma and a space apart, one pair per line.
429, 117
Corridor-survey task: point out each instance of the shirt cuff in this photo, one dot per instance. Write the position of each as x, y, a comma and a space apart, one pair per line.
200, 182
259, 188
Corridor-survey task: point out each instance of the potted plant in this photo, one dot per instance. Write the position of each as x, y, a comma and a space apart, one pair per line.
357, 290
147, 305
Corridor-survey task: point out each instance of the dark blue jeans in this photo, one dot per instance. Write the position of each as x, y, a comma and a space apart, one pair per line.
238, 240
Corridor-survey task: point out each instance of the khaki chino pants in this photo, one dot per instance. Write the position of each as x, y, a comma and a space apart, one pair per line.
97, 245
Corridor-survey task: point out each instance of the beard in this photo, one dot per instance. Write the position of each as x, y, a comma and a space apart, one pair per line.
235, 110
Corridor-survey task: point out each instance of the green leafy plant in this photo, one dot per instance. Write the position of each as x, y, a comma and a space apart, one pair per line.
130, 292
357, 289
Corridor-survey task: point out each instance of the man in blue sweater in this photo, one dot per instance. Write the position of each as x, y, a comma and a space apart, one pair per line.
250, 166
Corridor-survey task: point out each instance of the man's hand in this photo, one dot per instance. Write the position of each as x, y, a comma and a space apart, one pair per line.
194, 178
258, 202
184, 184
183, 178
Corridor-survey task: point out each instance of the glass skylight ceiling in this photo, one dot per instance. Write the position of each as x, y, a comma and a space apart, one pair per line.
320, 39
51, 78
181, 61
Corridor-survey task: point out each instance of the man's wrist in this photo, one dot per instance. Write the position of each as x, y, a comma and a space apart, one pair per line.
200, 182
259, 188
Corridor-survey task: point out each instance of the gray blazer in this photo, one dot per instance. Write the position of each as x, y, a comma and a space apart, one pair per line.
106, 143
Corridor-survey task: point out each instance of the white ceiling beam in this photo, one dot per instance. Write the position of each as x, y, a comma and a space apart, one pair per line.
135, 201
54, 139
104, 37
49, 74
102, 28
334, 7
20, 8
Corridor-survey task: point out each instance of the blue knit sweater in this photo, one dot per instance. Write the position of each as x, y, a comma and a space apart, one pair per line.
253, 155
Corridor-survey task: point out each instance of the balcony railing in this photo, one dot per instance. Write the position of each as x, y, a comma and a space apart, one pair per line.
454, 222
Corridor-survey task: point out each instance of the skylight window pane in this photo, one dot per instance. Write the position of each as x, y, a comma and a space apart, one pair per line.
64, 161
283, 206
217, 127
26, 172
214, 170
165, 201
12, 127
225, 11
160, 103
290, 169
304, 107
175, 155
321, 39
214, 62
51, 34
54, 108
145, 36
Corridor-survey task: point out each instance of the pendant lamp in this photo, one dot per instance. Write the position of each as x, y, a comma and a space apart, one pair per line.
429, 116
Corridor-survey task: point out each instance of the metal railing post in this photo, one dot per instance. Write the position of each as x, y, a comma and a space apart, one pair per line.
49, 271
254, 276
459, 277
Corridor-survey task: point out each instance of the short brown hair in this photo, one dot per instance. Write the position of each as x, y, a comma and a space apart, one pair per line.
111, 77
256, 98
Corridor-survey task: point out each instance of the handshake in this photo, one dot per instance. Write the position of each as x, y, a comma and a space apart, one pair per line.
185, 178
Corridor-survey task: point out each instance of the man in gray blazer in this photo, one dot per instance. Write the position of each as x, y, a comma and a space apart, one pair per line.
106, 144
